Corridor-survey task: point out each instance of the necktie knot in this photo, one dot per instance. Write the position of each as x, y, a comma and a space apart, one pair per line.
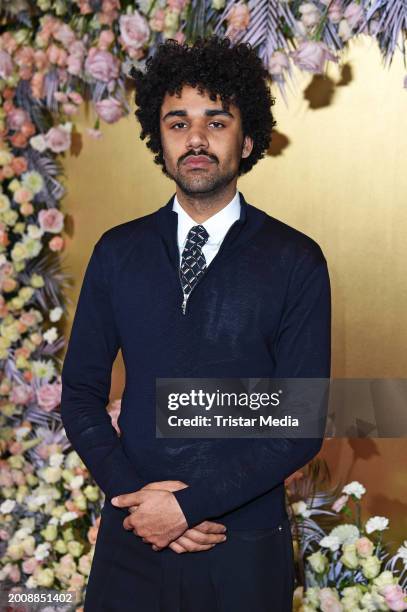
197, 237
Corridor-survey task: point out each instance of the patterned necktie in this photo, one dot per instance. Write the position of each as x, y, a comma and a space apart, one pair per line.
193, 261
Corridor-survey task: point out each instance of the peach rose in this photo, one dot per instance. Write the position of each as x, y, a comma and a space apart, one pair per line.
41, 61
19, 165
238, 19
364, 547
56, 243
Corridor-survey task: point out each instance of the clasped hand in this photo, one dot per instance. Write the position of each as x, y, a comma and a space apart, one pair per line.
157, 518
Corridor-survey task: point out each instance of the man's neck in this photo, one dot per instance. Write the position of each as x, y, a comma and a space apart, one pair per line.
202, 206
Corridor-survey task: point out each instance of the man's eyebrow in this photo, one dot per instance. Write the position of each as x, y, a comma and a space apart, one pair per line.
209, 112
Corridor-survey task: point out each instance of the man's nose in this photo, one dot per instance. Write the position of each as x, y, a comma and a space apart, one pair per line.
196, 138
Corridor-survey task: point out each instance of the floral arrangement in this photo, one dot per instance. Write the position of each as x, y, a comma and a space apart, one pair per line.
345, 567
55, 56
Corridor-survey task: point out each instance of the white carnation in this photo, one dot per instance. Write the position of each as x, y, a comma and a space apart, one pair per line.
354, 488
377, 523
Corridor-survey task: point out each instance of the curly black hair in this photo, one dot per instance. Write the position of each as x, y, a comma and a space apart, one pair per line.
214, 65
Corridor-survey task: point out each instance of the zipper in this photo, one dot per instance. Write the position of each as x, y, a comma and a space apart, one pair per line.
186, 296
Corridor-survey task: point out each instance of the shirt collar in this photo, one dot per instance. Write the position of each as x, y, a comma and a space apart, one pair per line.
217, 225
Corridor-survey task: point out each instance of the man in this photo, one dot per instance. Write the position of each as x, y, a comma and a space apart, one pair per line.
206, 286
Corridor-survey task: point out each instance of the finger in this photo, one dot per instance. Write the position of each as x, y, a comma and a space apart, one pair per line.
128, 499
166, 485
203, 538
192, 546
177, 547
211, 527
127, 523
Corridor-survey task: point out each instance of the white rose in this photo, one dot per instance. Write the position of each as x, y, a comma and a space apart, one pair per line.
354, 488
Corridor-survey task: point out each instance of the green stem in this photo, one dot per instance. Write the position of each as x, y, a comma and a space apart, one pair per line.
321, 25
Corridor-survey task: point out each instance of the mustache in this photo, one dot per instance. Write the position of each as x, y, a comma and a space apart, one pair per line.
187, 155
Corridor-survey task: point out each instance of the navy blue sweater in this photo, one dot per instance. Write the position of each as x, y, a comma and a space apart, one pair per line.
261, 309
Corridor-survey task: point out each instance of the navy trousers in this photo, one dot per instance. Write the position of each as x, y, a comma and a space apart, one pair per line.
252, 571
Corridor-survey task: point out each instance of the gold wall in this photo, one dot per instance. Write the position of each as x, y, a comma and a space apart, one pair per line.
336, 171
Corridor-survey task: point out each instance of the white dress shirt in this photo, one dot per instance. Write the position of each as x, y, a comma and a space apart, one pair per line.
217, 226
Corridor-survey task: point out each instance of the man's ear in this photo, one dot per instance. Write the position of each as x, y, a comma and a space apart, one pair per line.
247, 146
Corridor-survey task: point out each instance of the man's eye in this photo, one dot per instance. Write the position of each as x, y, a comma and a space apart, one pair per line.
218, 123
175, 124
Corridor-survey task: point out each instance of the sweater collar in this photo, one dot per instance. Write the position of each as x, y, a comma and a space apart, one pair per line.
241, 231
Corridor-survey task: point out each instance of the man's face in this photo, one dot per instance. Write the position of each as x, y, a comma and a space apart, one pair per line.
202, 143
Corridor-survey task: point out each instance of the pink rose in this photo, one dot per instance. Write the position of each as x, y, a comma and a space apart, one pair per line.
22, 394
364, 547
311, 55
177, 5
179, 37
9, 43
395, 597
157, 21
109, 109
49, 396
60, 96
65, 35
134, 31
74, 64
102, 65
14, 573
335, 11
6, 64
58, 139
51, 220
238, 19
29, 565
40, 59
278, 62
78, 49
6, 478
4, 535
340, 503
70, 109
328, 601
353, 14
96, 134
105, 39
16, 118
310, 14
37, 85
75, 97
